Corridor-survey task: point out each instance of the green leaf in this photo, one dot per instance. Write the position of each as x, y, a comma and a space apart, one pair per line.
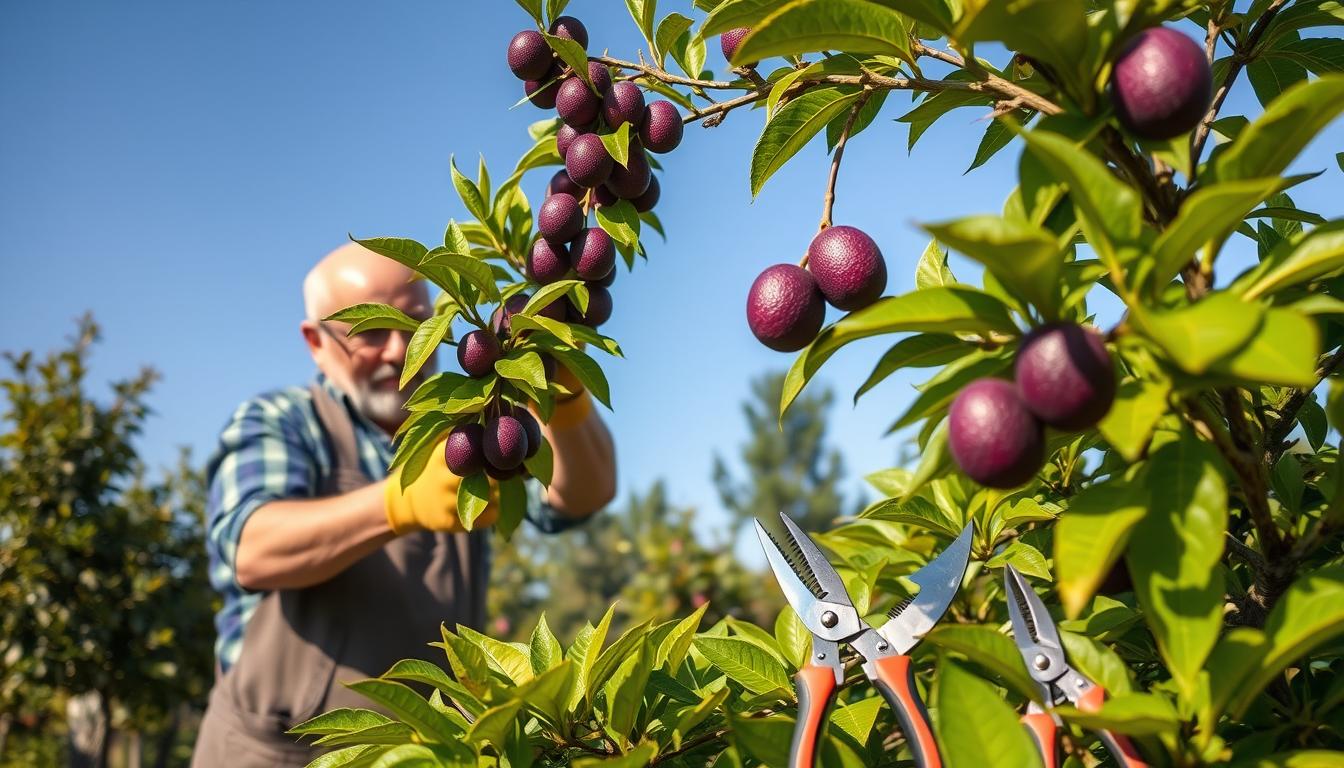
383, 733
494, 725
424, 341
1053, 32
1198, 335
1139, 404
989, 649
584, 653
1176, 575
737, 13
473, 494
672, 27
793, 126
948, 309
857, 719
455, 240
638, 757
1272, 76
935, 461
801, 26
1024, 558
587, 371
1268, 145
1309, 615
984, 730
1110, 210
867, 113
614, 655
525, 366
621, 221
672, 650
1136, 714
452, 393
692, 716
353, 757
409, 707
923, 350
1098, 663
546, 651
1207, 217
618, 144
417, 445
533, 8
936, 394
624, 692
745, 663
1315, 254
552, 292
470, 194
1025, 258
1283, 352
419, 671
468, 268
1308, 758
343, 720
511, 659
370, 315
1092, 534
793, 637
401, 250
643, 12
932, 271
542, 463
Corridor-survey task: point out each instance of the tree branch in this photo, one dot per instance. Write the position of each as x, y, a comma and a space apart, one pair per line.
1240, 56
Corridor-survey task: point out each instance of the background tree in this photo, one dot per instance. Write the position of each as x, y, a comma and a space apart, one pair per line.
788, 465
104, 606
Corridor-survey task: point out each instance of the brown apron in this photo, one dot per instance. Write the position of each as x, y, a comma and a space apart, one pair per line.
300, 644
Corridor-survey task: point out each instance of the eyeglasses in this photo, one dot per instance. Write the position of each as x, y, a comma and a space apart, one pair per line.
374, 338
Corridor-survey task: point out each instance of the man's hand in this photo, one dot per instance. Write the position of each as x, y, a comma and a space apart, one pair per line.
430, 503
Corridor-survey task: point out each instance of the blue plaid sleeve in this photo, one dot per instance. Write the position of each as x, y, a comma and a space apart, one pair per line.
265, 453
543, 516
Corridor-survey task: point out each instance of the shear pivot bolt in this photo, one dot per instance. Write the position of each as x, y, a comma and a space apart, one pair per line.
882, 646
829, 619
1041, 662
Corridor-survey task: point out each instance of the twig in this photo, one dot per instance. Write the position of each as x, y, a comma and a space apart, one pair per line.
664, 76
1278, 432
1239, 58
829, 202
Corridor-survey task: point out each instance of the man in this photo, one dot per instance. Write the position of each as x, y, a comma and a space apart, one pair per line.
330, 572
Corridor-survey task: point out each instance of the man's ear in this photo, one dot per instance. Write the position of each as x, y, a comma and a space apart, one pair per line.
312, 336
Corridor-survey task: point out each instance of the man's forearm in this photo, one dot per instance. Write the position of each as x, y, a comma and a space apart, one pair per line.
583, 479
295, 543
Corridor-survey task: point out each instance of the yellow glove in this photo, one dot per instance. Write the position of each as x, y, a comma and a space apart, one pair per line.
430, 503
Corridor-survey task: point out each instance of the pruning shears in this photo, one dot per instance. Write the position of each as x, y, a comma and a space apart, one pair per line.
815, 591
1038, 641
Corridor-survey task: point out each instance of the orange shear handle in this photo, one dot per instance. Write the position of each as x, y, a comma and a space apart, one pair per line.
895, 678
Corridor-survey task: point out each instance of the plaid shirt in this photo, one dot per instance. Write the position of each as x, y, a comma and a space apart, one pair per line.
273, 448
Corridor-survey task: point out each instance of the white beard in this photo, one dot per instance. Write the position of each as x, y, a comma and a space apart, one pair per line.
380, 406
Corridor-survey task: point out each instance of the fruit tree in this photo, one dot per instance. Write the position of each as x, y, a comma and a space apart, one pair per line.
1167, 477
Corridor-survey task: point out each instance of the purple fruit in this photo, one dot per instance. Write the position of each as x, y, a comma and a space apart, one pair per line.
543, 97
785, 308
505, 442
561, 182
993, 437
576, 104
587, 161
599, 308
529, 55
632, 179
593, 254
529, 422
1065, 375
571, 28
477, 353
547, 262
1161, 85
496, 473
463, 451
560, 218
848, 266
555, 311
605, 282
645, 202
601, 77
623, 103
729, 41
499, 319
662, 127
564, 137
603, 197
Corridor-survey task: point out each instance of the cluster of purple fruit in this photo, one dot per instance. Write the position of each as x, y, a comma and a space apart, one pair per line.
591, 179
1063, 378
787, 303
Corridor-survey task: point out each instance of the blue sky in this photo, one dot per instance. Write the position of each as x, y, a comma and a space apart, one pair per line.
176, 168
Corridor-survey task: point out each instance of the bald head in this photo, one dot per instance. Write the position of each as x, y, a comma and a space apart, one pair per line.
367, 366
352, 274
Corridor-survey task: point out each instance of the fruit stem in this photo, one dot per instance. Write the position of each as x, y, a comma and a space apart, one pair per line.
828, 203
